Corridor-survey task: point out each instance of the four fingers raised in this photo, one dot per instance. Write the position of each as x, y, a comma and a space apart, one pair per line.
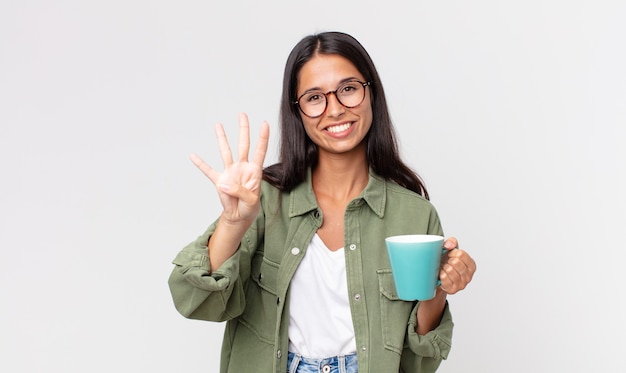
243, 148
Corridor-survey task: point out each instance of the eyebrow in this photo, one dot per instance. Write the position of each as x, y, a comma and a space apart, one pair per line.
342, 81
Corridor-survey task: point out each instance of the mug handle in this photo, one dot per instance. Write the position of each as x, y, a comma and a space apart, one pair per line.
443, 251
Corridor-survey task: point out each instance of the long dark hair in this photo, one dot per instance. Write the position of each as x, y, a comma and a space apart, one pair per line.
298, 152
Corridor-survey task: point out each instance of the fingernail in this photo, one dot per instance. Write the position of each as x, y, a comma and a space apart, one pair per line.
223, 187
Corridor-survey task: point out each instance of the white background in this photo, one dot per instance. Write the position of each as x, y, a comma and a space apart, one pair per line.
513, 112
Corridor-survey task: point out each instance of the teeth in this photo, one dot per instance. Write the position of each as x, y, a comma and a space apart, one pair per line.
341, 128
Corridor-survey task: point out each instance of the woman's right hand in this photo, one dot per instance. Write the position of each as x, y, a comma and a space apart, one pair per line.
239, 185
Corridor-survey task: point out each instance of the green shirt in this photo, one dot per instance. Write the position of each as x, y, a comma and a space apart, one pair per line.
251, 289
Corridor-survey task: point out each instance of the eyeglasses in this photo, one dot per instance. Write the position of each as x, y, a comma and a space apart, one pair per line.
349, 94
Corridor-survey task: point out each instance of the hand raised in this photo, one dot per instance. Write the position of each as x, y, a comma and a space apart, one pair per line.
239, 185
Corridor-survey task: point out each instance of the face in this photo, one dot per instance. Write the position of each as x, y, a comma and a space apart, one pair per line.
339, 129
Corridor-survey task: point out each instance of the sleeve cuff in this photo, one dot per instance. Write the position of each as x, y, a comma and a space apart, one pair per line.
195, 267
436, 343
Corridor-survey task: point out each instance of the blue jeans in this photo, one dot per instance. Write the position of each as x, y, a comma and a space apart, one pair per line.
338, 364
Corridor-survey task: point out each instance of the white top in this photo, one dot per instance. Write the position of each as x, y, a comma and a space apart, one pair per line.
320, 323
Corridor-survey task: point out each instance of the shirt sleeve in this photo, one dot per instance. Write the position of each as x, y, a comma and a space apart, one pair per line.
424, 353
199, 293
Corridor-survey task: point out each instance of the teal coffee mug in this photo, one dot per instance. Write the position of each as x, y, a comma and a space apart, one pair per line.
415, 261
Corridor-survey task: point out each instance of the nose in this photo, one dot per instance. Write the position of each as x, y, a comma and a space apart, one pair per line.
334, 108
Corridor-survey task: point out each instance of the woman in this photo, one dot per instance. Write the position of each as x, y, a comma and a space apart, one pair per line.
296, 263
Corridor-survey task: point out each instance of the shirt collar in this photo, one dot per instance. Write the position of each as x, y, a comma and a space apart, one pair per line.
302, 199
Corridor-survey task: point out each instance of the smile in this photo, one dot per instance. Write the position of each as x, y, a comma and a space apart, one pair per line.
339, 128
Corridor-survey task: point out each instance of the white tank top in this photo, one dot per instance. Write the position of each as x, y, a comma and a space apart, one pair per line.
320, 323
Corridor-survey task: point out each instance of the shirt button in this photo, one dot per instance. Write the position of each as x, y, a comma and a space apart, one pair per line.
316, 214
357, 297
278, 354
352, 247
295, 251
363, 348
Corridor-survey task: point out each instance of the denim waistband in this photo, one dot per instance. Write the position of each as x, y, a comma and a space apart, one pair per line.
337, 364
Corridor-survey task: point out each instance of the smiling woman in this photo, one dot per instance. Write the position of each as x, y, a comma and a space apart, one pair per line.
343, 127
296, 263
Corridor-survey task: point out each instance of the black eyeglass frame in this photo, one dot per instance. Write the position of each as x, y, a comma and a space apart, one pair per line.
364, 84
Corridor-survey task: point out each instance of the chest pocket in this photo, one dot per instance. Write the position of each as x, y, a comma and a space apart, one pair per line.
394, 312
261, 298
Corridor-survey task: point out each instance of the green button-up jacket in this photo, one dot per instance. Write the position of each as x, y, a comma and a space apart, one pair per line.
251, 289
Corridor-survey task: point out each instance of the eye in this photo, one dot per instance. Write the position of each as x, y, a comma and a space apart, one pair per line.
349, 88
314, 98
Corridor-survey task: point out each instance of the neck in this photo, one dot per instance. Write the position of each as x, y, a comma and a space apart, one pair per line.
340, 177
